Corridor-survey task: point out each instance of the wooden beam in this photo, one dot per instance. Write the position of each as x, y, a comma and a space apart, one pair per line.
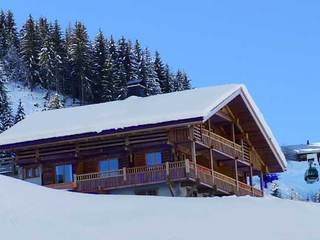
233, 132
194, 156
261, 181
224, 116
211, 163
236, 173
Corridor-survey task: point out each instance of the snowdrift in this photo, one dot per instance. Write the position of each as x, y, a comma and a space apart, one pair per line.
33, 212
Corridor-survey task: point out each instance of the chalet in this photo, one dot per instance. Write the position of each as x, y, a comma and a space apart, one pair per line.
199, 142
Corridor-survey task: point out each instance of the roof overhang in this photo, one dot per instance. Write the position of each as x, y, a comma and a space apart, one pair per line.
260, 123
107, 132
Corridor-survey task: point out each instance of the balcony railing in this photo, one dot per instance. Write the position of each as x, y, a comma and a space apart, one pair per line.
169, 171
221, 144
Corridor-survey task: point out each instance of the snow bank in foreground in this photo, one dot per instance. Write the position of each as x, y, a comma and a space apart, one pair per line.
32, 212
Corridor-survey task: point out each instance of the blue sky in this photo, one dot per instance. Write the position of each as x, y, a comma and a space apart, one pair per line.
271, 46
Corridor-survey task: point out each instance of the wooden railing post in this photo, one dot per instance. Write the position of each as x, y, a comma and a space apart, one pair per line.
261, 182
124, 174
236, 172
74, 183
167, 169
251, 175
187, 165
211, 163
194, 156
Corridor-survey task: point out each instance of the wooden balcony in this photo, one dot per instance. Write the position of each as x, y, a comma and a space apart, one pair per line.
221, 144
169, 171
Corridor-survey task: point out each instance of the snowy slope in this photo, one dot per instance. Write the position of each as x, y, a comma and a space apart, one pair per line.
293, 181
32, 101
32, 212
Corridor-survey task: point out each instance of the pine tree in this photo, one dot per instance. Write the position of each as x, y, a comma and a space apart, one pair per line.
139, 61
30, 52
13, 66
55, 102
160, 70
168, 83
3, 42
20, 115
68, 85
59, 60
275, 190
151, 81
11, 31
80, 66
131, 63
186, 82
46, 62
178, 81
123, 66
6, 120
100, 57
42, 28
111, 81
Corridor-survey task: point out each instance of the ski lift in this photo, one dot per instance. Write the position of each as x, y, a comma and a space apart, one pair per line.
311, 175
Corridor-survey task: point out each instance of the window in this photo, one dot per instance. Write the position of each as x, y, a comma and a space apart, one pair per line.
64, 173
32, 172
37, 172
109, 165
150, 192
154, 158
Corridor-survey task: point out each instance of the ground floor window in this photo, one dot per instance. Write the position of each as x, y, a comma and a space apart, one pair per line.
64, 173
154, 158
150, 192
32, 172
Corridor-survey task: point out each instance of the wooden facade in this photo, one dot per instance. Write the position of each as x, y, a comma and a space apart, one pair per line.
215, 157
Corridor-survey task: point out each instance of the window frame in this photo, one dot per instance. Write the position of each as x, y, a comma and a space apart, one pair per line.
156, 158
65, 171
32, 172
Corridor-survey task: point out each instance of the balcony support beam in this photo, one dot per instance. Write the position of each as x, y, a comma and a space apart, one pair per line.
236, 173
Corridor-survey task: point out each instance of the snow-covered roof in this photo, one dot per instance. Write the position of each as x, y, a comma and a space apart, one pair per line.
200, 103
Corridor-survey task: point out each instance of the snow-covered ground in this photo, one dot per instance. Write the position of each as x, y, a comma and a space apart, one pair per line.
33, 212
32, 101
292, 181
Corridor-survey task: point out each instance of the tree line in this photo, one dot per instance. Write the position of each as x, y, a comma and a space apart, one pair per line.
70, 63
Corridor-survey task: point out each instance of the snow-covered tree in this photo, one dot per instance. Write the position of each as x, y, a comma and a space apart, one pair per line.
100, 57
178, 81
111, 82
168, 83
151, 81
186, 82
55, 102
275, 190
79, 52
59, 61
14, 66
3, 43
46, 62
30, 49
6, 119
123, 67
160, 70
20, 115
11, 31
